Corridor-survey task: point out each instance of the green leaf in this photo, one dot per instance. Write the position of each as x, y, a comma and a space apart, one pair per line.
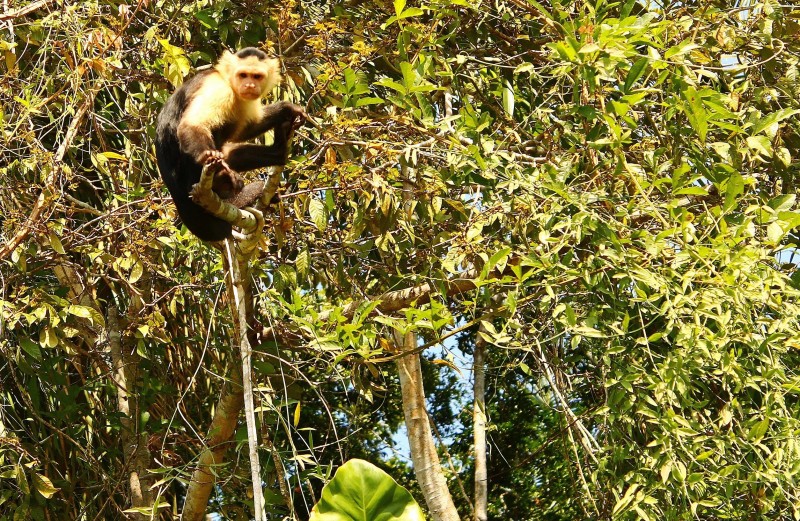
324, 344
81, 311
760, 144
136, 272
361, 491
316, 209
692, 190
508, 99
758, 430
31, 348
772, 118
408, 13
498, 258
636, 72
696, 112
680, 49
399, 5
55, 243
303, 262
368, 101
206, 18
44, 486
775, 232
782, 203
48, 337
734, 187
392, 85
784, 156
588, 332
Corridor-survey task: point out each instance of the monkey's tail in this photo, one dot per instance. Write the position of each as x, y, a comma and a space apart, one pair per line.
201, 223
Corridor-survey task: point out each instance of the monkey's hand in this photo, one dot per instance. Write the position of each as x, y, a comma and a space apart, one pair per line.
298, 116
293, 118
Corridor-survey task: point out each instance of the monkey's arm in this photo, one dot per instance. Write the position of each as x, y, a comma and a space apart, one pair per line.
196, 141
272, 116
285, 118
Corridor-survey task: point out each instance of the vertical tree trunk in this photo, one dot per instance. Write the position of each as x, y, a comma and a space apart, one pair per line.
134, 441
427, 467
125, 375
479, 427
219, 434
241, 299
237, 391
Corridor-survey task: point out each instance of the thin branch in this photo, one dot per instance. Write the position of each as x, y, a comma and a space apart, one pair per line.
48, 193
22, 11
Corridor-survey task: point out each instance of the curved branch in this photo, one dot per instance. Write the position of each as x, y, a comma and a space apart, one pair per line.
238, 391
396, 300
203, 195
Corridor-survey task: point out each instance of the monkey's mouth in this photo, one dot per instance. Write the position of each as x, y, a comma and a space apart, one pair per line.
250, 94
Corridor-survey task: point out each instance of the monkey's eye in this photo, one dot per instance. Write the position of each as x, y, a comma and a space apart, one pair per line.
241, 75
258, 77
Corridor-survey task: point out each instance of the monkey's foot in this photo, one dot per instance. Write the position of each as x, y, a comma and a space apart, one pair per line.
247, 195
227, 183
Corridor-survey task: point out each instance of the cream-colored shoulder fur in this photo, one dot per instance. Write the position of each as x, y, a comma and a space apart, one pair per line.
212, 104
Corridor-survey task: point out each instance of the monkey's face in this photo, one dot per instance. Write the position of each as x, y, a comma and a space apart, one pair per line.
249, 83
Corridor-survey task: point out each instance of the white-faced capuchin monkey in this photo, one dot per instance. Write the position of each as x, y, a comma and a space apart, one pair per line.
207, 120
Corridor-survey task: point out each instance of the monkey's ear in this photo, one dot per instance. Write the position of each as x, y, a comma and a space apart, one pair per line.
226, 64
272, 74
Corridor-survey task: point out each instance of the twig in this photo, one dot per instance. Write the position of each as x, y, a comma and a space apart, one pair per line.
22, 11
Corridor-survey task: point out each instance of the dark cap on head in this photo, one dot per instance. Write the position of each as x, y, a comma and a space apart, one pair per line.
252, 51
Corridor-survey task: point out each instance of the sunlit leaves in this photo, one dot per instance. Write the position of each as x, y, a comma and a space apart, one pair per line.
769, 122
317, 212
401, 13
353, 89
44, 486
176, 65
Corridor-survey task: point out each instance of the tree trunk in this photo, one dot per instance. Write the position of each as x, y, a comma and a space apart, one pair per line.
237, 391
479, 427
219, 434
241, 300
134, 442
427, 468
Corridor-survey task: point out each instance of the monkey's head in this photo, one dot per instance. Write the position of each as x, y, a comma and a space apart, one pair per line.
250, 72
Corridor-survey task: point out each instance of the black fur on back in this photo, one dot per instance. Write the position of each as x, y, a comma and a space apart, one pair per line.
178, 170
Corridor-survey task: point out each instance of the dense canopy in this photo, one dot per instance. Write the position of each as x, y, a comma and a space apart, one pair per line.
587, 209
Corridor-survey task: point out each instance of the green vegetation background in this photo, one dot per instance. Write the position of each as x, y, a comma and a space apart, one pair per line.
619, 180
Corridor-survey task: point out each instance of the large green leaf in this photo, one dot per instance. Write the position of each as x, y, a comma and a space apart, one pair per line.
361, 491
